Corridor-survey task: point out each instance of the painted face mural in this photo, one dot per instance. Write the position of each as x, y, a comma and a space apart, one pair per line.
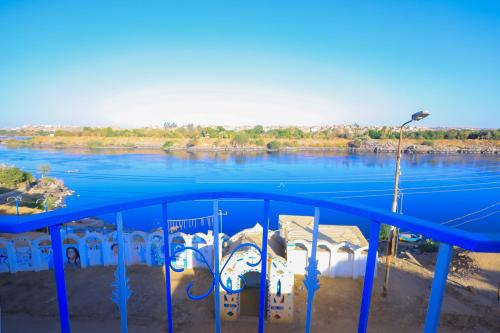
72, 257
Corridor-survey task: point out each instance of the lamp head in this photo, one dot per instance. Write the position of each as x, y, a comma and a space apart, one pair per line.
419, 115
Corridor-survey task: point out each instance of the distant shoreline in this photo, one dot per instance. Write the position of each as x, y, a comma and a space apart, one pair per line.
410, 146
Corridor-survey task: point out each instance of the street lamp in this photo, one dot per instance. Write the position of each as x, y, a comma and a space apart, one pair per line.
393, 233
17, 200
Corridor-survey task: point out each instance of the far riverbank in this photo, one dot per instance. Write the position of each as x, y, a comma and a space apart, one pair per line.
158, 144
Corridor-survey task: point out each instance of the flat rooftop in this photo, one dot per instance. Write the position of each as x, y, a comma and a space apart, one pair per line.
296, 227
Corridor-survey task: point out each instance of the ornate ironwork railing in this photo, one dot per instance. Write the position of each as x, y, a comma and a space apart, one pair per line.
447, 237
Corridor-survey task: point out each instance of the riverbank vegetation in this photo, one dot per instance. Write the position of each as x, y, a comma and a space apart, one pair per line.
172, 137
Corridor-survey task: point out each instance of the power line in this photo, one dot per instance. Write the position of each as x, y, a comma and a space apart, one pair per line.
476, 219
401, 189
416, 192
469, 214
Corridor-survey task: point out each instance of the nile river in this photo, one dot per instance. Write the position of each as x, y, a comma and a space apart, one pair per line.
438, 188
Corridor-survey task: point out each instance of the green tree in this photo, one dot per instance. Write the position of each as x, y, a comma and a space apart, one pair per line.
44, 169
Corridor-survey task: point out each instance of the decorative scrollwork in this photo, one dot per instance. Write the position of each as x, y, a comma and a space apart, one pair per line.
242, 278
181, 249
190, 295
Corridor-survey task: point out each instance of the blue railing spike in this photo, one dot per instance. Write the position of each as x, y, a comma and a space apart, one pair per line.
263, 272
217, 257
122, 279
438, 288
55, 236
371, 264
166, 249
311, 280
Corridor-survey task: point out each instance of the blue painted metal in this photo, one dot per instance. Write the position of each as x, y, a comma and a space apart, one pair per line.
438, 288
311, 280
441, 233
55, 236
216, 266
166, 249
263, 269
122, 278
444, 234
228, 289
371, 264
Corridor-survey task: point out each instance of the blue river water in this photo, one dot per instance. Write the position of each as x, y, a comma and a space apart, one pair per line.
439, 188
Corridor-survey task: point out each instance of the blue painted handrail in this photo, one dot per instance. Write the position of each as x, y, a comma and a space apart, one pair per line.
448, 237
466, 240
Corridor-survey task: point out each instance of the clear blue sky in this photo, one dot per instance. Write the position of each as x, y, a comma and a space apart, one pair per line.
246, 62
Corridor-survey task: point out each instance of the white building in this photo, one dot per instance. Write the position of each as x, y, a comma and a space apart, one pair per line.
342, 250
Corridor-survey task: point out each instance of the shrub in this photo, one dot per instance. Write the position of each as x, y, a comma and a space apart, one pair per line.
168, 145
12, 176
429, 245
94, 144
274, 145
384, 232
240, 139
428, 143
259, 142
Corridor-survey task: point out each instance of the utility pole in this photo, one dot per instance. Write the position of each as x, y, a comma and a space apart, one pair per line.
393, 233
221, 214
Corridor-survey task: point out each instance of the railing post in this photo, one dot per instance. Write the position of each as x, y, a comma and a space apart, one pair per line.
55, 236
166, 247
216, 266
438, 288
263, 273
371, 264
311, 280
122, 279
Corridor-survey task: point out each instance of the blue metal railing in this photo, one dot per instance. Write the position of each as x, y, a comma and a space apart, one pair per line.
447, 236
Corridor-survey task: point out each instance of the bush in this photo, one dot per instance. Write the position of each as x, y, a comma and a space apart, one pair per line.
429, 245
12, 176
240, 139
384, 232
167, 145
94, 144
259, 142
356, 143
428, 143
274, 145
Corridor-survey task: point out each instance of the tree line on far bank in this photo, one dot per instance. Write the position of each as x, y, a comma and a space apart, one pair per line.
242, 136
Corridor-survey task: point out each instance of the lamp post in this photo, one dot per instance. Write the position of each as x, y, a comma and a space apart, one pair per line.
393, 233
17, 200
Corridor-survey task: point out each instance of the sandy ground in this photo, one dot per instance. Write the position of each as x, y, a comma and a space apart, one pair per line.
29, 303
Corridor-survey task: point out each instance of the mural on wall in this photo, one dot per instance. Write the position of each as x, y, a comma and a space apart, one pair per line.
4, 257
34, 252
43, 253
138, 248
23, 254
73, 257
157, 251
93, 246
